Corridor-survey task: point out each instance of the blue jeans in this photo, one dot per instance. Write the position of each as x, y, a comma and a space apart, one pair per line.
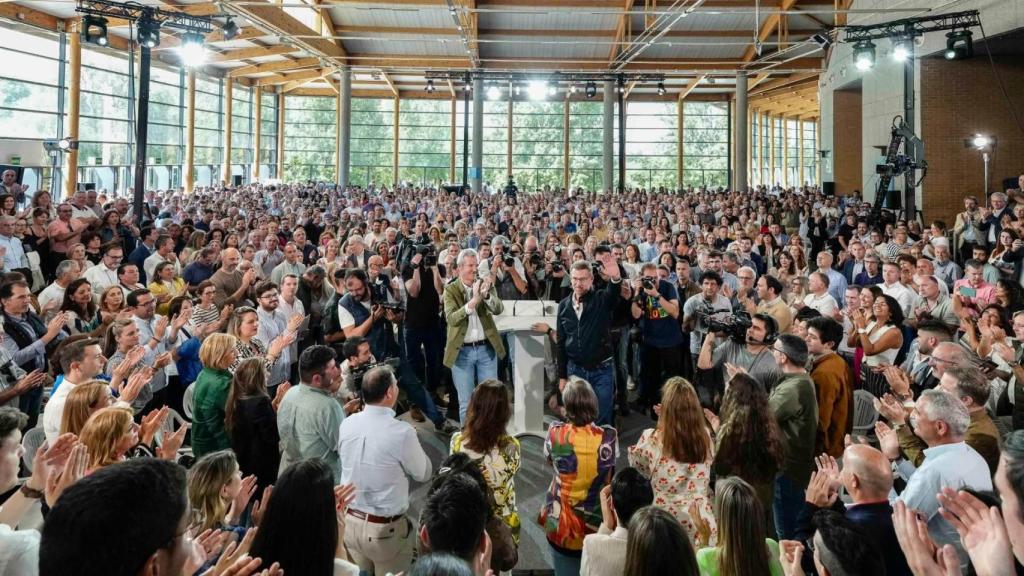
424, 348
601, 379
787, 501
410, 383
29, 403
564, 564
473, 365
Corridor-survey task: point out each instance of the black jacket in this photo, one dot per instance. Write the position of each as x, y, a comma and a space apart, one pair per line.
586, 341
874, 519
255, 440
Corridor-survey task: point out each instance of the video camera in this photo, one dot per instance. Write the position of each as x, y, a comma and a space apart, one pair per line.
356, 374
407, 249
733, 324
379, 294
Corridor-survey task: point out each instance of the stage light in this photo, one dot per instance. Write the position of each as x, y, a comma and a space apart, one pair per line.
191, 51
661, 88
590, 90
493, 92
552, 89
516, 90
901, 48
430, 87
573, 89
864, 55
981, 142
959, 45
230, 29
149, 33
537, 90
94, 30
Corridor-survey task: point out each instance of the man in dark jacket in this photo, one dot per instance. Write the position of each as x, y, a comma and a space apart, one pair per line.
584, 341
868, 479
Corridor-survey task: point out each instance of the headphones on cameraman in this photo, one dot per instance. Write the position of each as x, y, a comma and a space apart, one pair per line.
771, 327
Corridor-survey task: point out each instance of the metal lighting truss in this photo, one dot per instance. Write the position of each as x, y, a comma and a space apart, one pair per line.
913, 27
140, 13
553, 77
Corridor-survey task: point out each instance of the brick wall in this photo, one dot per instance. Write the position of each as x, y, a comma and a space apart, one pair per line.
847, 136
958, 99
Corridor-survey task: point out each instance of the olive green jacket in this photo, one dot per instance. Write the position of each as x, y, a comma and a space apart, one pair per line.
457, 319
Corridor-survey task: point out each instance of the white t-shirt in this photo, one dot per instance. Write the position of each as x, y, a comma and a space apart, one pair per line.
19, 551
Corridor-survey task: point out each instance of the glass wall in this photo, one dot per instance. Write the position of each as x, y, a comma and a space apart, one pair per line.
241, 131
106, 126
538, 133
495, 160
705, 144
652, 144
585, 144
424, 141
755, 149
268, 136
777, 144
29, 96
461, 117
165, 147
810, 152
372, 141
792, 152
209, 151
310, 137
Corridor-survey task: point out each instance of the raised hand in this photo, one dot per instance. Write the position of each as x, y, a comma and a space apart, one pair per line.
828, 466
162, 360
282, 389
790, 555
898, 380
74, 470
54, 326
33, 379
260, 506
160, 328
891, 408
241, 500
713, 420
820, 492
151, 423
982, 531
923, 557
607, 510
887, 440
136, 383
169, 449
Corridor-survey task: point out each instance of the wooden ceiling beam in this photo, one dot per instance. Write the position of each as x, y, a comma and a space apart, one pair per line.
390, 84
246, 33
273, 67
629, 89
286, 78
274, 19
30, 16
598, 33
689, 87
288, 87
802, 89
248, 53
786, 81
770, 25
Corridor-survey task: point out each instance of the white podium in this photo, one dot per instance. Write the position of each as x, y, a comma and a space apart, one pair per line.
527, 351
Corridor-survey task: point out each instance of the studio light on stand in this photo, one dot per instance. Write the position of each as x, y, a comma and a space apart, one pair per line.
94, 30
864, 55
984, 144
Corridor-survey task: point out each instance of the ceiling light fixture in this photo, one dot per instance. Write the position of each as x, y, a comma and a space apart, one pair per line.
230, 29
149, 33
959, 45
590, 90
537, 89
901, 49
493, 92
191, 51
94, 30
430, 87
864, 55
661, 88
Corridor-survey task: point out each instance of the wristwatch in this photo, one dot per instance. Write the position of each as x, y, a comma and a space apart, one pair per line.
28, 492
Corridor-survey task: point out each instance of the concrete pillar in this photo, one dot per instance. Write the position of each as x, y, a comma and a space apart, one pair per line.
742, 133
189, 176
345, 126
608, 130
229, 129
477, 152
74, 99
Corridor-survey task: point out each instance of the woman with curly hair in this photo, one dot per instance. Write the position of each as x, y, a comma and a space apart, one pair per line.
747, 440
677, 456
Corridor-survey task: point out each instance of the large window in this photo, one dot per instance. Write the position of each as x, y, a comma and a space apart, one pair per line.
29, 94
165, 146
241, 130
792, 152
424, 141
372, 140
461, 117
810, 152
755, 149
586, 137
652, 144
268, 137
495, 158
538, 135
310, 138
705, 144
208, 130
105, 129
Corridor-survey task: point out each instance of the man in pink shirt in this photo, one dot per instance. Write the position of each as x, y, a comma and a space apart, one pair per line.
972, 293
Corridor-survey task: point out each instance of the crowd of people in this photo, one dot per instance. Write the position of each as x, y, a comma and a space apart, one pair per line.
231, 376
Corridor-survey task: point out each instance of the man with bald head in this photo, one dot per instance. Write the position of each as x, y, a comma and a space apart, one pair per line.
232, 285
867, 478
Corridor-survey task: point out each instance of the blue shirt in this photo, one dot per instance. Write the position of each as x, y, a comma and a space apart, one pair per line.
196, 272
837, 285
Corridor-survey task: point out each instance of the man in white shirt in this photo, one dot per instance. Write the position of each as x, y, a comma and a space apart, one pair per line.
379, 454
52, 296
80, 210
81, 361
819, 297
891, 286
12, 253
273, 323
164, 253
604, 553
104, 274
289, 305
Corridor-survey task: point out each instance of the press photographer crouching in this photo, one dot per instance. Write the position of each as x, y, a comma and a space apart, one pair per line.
740, 341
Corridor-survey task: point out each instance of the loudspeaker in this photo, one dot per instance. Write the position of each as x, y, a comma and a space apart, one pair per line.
829, 188
236, 181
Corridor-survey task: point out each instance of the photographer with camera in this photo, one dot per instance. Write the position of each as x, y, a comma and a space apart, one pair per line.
504, 270
698, 307
536, 270
747, 346
357, 358
657, 307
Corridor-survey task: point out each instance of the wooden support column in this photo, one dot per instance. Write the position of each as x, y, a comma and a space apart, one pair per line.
395, 158
258, 136
74, 92
189, 175
679, 143
280, 136
454, 115
750, 147
229, 89
565, 144
817, 144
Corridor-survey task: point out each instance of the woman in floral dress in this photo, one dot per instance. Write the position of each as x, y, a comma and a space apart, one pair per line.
677, 457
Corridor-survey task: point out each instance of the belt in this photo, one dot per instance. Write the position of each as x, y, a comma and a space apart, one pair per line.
594, 366
374, 519
483, 342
